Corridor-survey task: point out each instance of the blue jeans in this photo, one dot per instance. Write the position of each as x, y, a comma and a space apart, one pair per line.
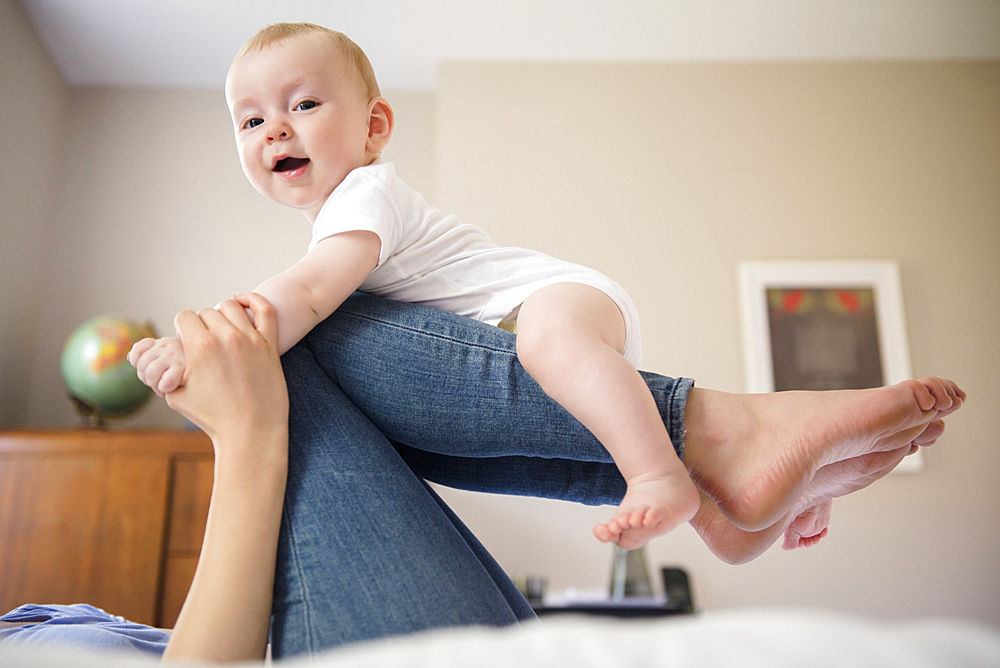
385, 395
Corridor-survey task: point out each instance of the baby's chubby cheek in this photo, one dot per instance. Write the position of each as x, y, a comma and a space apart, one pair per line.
254, 170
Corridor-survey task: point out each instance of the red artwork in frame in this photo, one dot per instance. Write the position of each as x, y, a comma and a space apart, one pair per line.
823, 338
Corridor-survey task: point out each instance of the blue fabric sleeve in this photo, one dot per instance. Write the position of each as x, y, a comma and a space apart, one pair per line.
83, 626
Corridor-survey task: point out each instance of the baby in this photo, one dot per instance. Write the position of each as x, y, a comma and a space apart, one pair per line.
310, 127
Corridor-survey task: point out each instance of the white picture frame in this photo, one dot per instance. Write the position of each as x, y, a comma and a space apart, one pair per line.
765, 288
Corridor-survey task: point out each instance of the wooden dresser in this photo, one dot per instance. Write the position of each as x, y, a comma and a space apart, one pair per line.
113, 518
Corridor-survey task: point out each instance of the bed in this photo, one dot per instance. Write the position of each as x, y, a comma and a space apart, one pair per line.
744, 638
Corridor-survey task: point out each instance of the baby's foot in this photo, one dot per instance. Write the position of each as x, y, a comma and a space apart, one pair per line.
756, 455
652, 506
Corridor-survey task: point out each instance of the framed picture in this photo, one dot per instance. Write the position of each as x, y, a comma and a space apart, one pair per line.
824, 326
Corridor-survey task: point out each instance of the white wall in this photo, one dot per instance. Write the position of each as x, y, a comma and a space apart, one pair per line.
33, 106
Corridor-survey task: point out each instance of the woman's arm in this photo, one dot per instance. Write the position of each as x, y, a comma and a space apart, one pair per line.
235, 392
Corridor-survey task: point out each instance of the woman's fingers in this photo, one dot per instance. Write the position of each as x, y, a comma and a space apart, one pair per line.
236, 314
189, 322
264, 316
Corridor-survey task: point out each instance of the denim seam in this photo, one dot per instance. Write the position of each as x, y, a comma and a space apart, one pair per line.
424, 332
677, 401
300, 576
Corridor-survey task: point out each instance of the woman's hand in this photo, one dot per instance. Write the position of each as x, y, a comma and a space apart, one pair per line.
233, 385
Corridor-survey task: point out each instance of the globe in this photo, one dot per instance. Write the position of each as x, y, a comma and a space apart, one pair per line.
99, 380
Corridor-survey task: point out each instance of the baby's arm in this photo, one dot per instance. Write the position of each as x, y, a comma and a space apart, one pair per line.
303, 295
306, 293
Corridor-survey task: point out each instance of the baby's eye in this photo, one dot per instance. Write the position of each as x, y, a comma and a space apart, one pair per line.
252, 123
305, 105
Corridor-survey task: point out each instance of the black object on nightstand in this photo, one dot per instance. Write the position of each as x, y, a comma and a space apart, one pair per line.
677, 590
677, 600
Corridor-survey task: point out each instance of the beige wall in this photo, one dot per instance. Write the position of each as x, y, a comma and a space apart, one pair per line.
662, 176
665, 176
33, 106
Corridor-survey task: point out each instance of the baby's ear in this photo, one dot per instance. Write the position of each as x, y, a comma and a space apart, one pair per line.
380, 124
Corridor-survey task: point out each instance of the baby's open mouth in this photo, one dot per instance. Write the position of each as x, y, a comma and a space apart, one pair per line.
288, 164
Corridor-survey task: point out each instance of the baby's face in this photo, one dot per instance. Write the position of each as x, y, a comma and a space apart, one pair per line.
301, 123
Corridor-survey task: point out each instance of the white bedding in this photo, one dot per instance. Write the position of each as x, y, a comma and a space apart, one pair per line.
747, 638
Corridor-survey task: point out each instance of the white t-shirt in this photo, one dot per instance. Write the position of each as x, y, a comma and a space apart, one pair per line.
434, 259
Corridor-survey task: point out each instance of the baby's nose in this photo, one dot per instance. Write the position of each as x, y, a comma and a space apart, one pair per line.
278, 129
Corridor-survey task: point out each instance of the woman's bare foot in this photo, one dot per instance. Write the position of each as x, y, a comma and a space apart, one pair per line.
653, 505
735, 546
755, 455
808, 528
809, 519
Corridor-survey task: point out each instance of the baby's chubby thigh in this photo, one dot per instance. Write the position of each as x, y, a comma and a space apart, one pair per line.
560, 322
569, 339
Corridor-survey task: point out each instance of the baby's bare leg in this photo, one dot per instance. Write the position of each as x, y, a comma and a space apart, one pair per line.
758, 456
570, 337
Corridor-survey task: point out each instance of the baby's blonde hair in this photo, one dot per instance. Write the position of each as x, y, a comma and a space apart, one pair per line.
356, 59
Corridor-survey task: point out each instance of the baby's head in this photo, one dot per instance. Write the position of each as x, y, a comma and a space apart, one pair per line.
355, 59
306, 110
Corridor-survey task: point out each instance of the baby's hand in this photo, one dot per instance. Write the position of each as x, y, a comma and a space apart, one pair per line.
159, 363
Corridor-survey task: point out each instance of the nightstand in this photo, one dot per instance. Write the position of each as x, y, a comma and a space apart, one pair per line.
113, 518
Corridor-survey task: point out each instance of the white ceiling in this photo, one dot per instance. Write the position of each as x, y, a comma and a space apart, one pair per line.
192, 42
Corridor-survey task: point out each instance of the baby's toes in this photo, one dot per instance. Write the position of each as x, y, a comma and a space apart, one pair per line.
605, 534
639, 518
652, 518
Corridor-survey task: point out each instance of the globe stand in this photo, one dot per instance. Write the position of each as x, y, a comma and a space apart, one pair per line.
92, 416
